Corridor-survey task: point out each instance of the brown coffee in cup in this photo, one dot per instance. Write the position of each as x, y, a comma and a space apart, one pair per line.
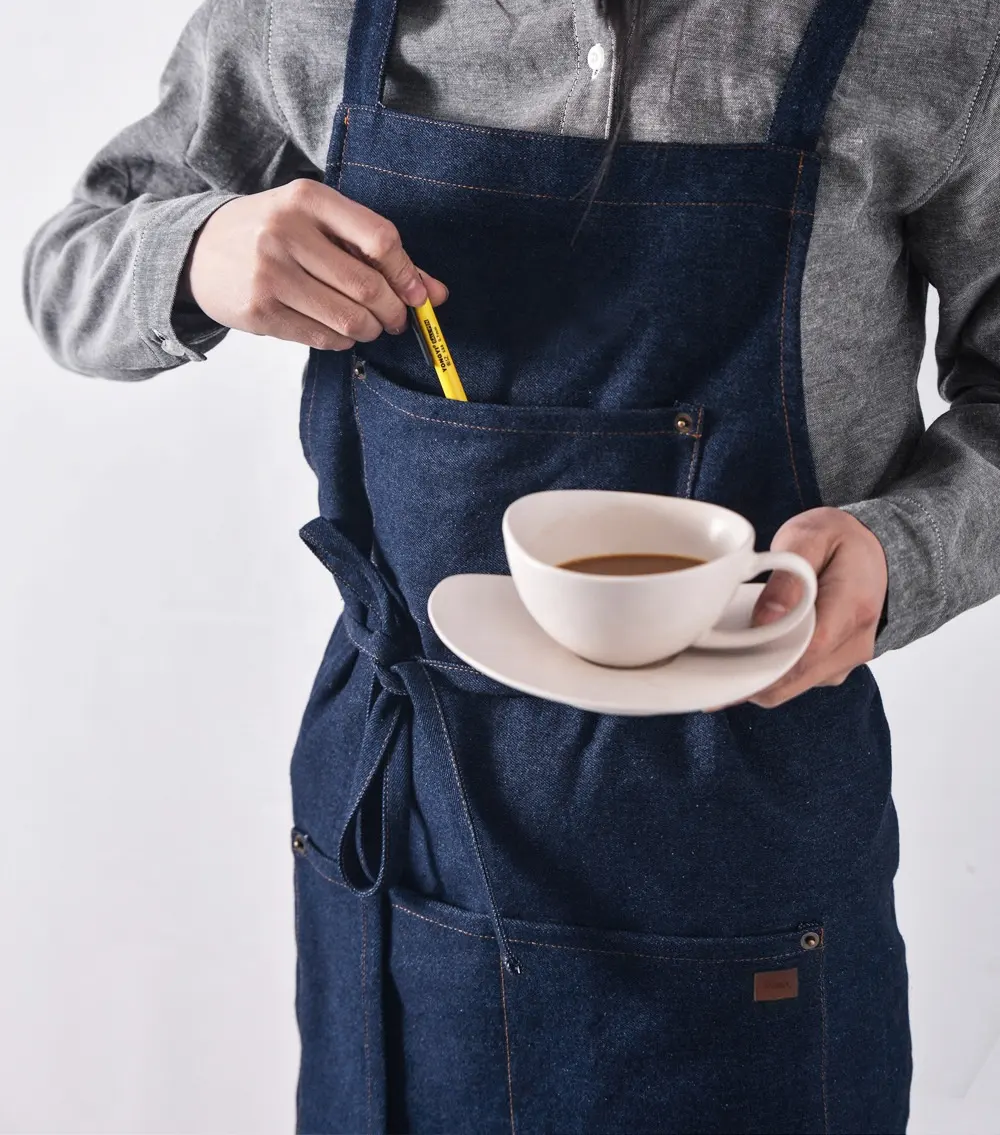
631, 563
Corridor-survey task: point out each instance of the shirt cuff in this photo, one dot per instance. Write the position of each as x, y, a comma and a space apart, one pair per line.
914, 554
173, 331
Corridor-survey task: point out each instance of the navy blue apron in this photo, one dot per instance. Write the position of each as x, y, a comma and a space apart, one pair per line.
516, 916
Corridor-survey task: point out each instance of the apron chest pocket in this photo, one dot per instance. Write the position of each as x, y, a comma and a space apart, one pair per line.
609, 1031
439, 474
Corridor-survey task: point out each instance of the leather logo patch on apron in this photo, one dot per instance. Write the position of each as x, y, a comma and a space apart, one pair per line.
776, 984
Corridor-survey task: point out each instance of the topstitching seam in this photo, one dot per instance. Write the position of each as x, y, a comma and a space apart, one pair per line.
694, 452
364, 1003
823, 1057
511, 430
608, 118
942, 589
572, 139
569, 200
134, 304
791, 953
270, 69
576, 77
506, 1037
781, 363
324, 875
929, 192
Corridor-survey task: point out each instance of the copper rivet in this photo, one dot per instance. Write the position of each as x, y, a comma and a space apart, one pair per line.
298, 843
683, 423
810, 940
359, 370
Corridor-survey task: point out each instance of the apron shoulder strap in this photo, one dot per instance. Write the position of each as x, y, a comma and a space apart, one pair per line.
829, 36
367, 51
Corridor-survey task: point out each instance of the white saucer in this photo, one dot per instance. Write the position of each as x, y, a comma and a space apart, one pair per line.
481, 619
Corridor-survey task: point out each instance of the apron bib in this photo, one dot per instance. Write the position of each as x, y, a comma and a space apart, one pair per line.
515, 916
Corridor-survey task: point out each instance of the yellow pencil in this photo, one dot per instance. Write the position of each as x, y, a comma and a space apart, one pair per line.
436, 351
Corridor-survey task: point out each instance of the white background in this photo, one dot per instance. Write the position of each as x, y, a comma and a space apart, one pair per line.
160, 623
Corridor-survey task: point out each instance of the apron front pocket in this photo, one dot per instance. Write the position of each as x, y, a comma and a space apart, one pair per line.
609, 1031
439, 474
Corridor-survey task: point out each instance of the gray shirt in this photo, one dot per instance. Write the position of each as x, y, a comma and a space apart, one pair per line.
909, 194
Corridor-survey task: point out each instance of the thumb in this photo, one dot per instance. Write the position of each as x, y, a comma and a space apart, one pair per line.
779, 596
811, 541
437, 293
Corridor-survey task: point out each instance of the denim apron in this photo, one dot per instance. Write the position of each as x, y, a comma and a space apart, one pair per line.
516, 916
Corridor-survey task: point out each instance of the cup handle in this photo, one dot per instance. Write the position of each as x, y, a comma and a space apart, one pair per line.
717, 639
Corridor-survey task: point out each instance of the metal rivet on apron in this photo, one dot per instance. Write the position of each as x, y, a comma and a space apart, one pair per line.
298, 844
359, 369
810, 940
683, 423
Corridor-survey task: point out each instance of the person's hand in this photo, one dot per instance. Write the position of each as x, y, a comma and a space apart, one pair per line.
850, 565
305, 263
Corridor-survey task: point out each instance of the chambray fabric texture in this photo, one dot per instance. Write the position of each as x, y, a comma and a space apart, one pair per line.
910, 193
517, 916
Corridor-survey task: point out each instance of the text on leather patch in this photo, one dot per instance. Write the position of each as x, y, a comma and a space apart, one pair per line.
776, 984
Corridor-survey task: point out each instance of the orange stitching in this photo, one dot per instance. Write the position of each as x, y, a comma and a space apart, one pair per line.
364, 1006
556, 139
567, 200
509, 430
822, 1017
506, 1037
594, 950
784, 306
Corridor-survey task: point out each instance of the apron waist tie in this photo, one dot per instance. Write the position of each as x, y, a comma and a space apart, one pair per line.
401, 685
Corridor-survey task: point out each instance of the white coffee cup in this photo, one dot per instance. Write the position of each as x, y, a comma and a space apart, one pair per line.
634, 620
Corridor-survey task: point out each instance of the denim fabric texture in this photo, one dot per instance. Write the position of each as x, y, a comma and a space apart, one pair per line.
516, 916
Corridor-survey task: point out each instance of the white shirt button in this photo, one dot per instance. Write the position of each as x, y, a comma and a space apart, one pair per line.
595, 58
172, 347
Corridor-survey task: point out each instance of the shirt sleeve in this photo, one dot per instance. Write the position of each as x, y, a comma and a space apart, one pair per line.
100, 278
939, 522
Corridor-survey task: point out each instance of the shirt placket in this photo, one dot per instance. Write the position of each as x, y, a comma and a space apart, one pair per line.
588, 106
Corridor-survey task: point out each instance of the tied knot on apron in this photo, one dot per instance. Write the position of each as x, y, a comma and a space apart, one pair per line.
383, 651
377, 622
